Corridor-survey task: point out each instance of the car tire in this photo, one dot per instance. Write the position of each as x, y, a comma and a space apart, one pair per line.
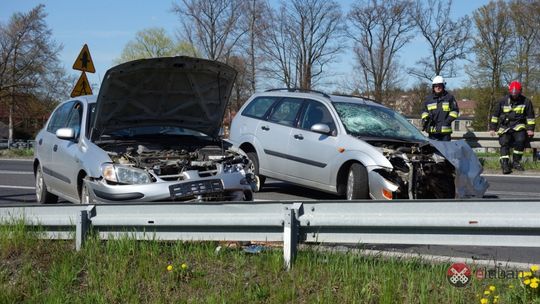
43, 196
357, 183
86, 195
255, 162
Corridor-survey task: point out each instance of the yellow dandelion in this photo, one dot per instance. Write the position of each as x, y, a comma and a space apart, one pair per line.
527, 274
487, 292
184, 266
520, 274
510, 286
495, 300
483, 301
535, 280
169, 268
527, 282
492, 288
534, 268
534, 285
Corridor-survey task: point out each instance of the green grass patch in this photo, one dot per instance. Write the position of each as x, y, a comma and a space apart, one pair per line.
16, 153
33, 270
493, 163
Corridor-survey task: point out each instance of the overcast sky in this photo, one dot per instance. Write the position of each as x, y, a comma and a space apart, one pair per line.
106, 26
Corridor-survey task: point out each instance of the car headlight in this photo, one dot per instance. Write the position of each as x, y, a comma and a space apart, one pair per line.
232, 168
124, 174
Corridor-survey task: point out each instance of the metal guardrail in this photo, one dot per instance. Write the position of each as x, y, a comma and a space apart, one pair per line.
467, 222
17, 144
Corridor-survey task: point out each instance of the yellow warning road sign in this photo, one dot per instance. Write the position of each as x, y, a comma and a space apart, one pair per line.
82, 87
84, 61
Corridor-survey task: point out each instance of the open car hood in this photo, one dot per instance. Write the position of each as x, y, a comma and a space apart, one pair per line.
180, 92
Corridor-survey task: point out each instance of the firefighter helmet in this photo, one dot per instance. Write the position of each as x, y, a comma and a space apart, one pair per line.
514, 88
438, 80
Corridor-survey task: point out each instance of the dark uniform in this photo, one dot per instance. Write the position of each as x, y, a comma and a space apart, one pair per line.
439, 112
512, 118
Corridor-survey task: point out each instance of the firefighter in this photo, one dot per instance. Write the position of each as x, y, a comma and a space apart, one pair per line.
440, 109
513, 119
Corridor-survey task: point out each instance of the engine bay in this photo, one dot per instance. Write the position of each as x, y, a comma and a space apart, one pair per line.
175, 162
420, 171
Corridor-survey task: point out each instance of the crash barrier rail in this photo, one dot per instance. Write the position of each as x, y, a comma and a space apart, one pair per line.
16, 144
460, 222
485, 140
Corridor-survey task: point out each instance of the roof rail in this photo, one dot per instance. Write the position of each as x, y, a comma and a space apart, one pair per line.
357, 96
299, 90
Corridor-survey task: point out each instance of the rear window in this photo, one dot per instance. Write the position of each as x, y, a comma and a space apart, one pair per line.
259, 107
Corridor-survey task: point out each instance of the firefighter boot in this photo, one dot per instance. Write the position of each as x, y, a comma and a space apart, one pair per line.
505, 165
516, 164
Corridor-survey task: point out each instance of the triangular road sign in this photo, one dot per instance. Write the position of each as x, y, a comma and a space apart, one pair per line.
82, 87
84, 61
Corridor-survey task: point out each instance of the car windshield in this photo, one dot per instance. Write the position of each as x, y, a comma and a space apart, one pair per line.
370, 121
154, 131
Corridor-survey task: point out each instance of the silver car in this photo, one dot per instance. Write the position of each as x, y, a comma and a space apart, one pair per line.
152, 134
350, 146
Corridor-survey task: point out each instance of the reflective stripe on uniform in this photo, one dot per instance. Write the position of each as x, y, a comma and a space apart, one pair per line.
425, 115
530, 121
432, 106
494, 119
446, 106
519, 127
519, 109
454, 114
507, 109
446, 129
504, 156
518, 152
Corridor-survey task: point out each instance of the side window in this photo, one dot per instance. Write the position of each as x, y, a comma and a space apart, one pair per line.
259, 106
90, 118
286, 111
60, 117
315, 113
75, 119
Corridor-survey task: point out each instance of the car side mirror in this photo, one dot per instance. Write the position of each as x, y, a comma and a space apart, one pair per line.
65, 133
321, 128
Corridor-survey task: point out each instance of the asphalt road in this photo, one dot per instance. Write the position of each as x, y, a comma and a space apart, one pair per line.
17, 186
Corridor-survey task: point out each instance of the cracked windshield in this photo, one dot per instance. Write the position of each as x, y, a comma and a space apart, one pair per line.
372, 121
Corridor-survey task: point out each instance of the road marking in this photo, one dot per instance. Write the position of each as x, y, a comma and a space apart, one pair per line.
16, 172
508, 193
17, 187
508, 175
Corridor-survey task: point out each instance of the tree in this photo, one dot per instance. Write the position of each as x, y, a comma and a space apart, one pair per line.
28, 57
211, 25
448, 40
380, 29
154, 42
304, 37
492, 46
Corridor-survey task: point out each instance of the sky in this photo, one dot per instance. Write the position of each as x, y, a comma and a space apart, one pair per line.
106, 26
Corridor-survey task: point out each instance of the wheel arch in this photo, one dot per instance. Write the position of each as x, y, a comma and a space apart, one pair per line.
342, 174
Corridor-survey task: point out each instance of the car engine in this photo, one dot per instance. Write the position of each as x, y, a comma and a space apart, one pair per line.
174, 162
419, 171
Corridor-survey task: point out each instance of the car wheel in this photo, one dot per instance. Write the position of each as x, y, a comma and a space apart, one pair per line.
357, 182
255, 169
86, 196
43, 196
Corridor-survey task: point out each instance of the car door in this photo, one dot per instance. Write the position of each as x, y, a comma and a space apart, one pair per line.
46, 142
273, 135
312, 152
66, 154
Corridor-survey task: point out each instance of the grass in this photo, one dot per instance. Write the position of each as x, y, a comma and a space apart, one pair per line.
16, 153
33, 270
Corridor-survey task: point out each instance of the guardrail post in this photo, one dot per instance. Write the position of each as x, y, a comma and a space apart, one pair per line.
83, 226
290, 233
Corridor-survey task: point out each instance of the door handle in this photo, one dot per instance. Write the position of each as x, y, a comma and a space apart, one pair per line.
265, 128
55, 147
298, 136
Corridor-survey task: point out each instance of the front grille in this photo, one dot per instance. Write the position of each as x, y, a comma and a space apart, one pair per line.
192, 189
